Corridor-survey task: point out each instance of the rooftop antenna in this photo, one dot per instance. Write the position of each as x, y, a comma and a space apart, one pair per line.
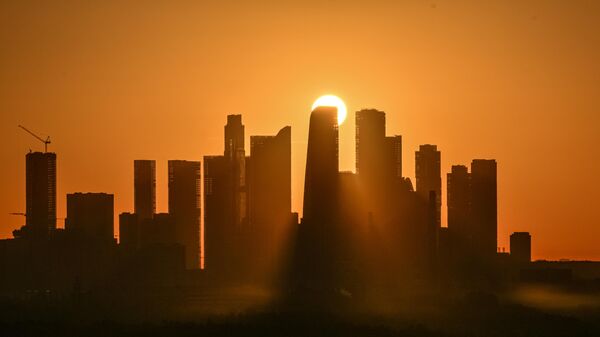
46, 141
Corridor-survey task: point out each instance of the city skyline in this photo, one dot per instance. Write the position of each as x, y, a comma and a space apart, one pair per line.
83, 83
149, 173
300, 168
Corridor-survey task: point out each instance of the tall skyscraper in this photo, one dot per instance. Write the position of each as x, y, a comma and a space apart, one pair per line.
91, 214
378, 164
217, 213
317, 257
234, 136
377, 157
370, 143
236, 157
269, 179
520, 247
269, 194
320, 183
40, 193
225, 202
428, 174
459, 204
484, 206
394, 156
144, 178
184, 207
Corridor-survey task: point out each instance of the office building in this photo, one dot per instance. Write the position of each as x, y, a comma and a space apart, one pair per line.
428, 175
184, 207
218, 219
484, 206
40, 193
459, 204
269, 195
320, 183
144, 178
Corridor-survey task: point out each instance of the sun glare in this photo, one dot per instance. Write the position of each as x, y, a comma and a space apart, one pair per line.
334, 101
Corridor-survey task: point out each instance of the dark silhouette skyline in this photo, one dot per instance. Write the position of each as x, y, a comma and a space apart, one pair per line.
299, 168
365, 241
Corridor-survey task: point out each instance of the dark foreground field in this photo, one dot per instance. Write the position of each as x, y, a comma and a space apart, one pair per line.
479, 315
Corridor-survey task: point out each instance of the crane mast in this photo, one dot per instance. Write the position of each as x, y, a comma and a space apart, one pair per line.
45, 141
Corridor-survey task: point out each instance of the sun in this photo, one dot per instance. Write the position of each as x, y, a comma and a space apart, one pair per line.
334, 101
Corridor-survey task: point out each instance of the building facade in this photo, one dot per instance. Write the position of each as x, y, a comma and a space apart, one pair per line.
184, 207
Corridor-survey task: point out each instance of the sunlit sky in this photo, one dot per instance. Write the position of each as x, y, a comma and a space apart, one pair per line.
114, 81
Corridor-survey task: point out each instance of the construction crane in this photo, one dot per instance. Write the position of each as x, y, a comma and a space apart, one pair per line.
46, 141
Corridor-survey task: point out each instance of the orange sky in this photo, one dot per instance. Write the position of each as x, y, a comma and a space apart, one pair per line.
115, 81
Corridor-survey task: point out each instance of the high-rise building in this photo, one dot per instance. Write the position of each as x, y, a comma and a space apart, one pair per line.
234, 136
144, 178
428, 174
269, 179
484, 206
269, 194
378, 158
520, 247
225, 204
459, 204
184, 207
129, 230
394, 156
236, 158
91, 214
318, 241
320, 183
217, 213
40, 193
370, 143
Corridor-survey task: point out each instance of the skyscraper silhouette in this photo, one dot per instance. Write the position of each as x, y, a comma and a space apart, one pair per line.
394, 156
184, 207
218, 217
144, 178
370, 144
459, 208
40, 193
484, 207
269, 195
236, 157
428, 174
91, 214
225, 203
317, 243
320, 183
378, 158
373, 166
